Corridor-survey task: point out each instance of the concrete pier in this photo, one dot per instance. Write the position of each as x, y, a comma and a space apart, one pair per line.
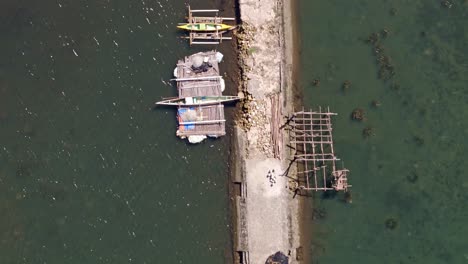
266, 212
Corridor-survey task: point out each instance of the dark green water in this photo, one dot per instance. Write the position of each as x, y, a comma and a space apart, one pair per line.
413, 170
89, 172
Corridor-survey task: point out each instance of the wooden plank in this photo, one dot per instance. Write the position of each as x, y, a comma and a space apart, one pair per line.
202, 122
214, 85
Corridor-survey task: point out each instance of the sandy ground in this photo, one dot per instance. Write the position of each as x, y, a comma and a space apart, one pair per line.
269, 212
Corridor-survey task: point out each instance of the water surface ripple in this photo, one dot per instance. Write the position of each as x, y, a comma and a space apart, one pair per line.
89, 172
409, 175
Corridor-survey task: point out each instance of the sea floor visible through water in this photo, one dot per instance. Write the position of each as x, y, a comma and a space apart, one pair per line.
90, 171
404, 63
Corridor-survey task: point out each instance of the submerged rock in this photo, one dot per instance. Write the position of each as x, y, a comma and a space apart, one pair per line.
391, 223
319, 214
368, 132
412, 177
376, 103
358, 114
346, 85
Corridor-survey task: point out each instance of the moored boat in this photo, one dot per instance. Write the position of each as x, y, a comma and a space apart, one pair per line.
204, 27
199, 100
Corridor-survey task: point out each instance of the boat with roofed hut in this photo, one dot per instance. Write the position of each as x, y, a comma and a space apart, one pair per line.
200, 109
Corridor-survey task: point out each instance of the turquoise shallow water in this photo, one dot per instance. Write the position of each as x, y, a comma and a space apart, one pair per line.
89, 171
413, 169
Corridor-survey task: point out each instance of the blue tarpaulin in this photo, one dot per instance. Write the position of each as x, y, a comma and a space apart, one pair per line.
180, 111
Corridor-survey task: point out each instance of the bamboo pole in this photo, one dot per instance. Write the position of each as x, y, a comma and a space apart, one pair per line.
207, 42
203, 10
219, 132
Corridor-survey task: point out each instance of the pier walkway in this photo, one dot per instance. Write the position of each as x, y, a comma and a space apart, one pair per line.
267, 214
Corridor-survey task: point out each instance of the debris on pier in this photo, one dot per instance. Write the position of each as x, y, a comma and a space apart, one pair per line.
277, 258
311, 135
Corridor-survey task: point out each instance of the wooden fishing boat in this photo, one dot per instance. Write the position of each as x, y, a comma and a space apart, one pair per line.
199, 100
204, 27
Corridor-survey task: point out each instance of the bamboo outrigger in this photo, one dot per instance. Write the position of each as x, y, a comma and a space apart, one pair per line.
199, 100
206, 30
205, 27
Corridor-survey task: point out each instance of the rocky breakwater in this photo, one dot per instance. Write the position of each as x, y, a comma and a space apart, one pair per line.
259, 82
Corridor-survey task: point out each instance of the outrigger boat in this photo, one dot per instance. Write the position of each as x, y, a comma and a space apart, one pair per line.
199, 100
205, 27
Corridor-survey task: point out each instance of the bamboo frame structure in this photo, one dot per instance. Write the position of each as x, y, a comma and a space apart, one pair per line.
311, 133
215, 37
